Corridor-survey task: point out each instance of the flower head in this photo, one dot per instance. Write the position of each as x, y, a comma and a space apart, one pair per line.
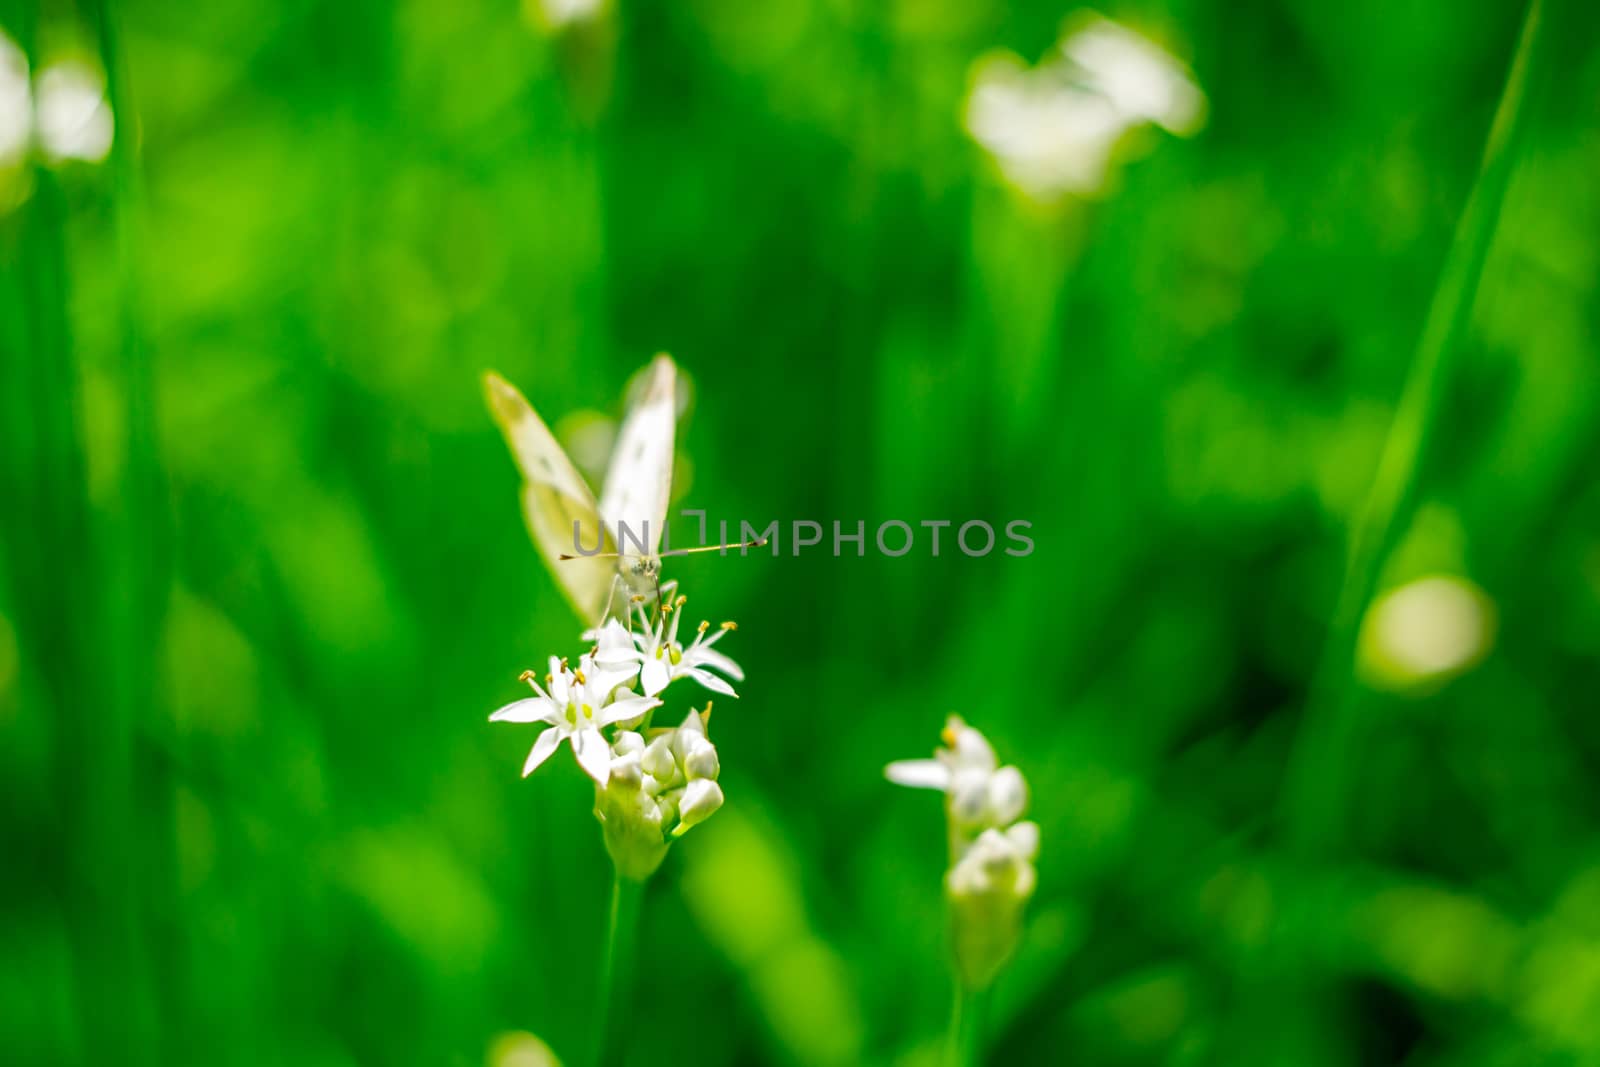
652, 784
980, 792
576, 703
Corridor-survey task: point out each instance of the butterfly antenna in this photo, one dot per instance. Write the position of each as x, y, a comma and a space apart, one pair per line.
759, 543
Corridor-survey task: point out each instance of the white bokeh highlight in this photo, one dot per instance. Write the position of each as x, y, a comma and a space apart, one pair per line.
73, 115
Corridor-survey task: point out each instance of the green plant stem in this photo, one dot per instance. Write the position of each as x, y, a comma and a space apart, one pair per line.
967, 1011
1317, 785
617, 969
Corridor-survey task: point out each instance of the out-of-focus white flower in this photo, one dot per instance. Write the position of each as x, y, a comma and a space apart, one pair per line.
1425, 632
981, 793
575, 703
1139, 78
1047, 135
552, 15
73, 114
1053, 129
518, 1048
16, 102
662, 658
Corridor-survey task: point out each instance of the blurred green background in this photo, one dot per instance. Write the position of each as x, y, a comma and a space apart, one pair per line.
264, 574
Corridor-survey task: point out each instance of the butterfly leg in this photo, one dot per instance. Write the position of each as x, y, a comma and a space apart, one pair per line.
605, 613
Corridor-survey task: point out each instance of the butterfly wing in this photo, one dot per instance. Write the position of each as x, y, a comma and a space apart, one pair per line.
556, 501
638, 483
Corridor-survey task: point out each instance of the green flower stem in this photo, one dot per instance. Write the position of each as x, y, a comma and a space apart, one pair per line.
967, 1011
615, 977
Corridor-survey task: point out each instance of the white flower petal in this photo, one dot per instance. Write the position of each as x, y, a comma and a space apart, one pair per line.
919, 773
528, 709
625, 709
542, 747
710, 657
560, 683
654, 676
594, 756
711, 682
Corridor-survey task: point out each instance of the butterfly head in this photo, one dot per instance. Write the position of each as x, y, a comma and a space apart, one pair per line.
644, 568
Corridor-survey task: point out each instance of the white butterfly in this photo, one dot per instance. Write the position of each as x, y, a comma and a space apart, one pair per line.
597, 549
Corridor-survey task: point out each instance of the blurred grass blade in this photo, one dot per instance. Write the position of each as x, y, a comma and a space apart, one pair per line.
1316, 789
1292, 1002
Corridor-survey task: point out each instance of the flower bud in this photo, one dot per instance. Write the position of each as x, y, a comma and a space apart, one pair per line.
1008, 796
657, 760
693, 727
987, 889
701, 798
625, 773
700, 758
1024, 838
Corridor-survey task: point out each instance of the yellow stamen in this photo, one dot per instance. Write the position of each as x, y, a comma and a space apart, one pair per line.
704, 626
730, 626
579, 676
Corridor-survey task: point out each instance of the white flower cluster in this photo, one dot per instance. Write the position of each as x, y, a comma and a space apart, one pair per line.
991, 874
651, 784
667, 780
